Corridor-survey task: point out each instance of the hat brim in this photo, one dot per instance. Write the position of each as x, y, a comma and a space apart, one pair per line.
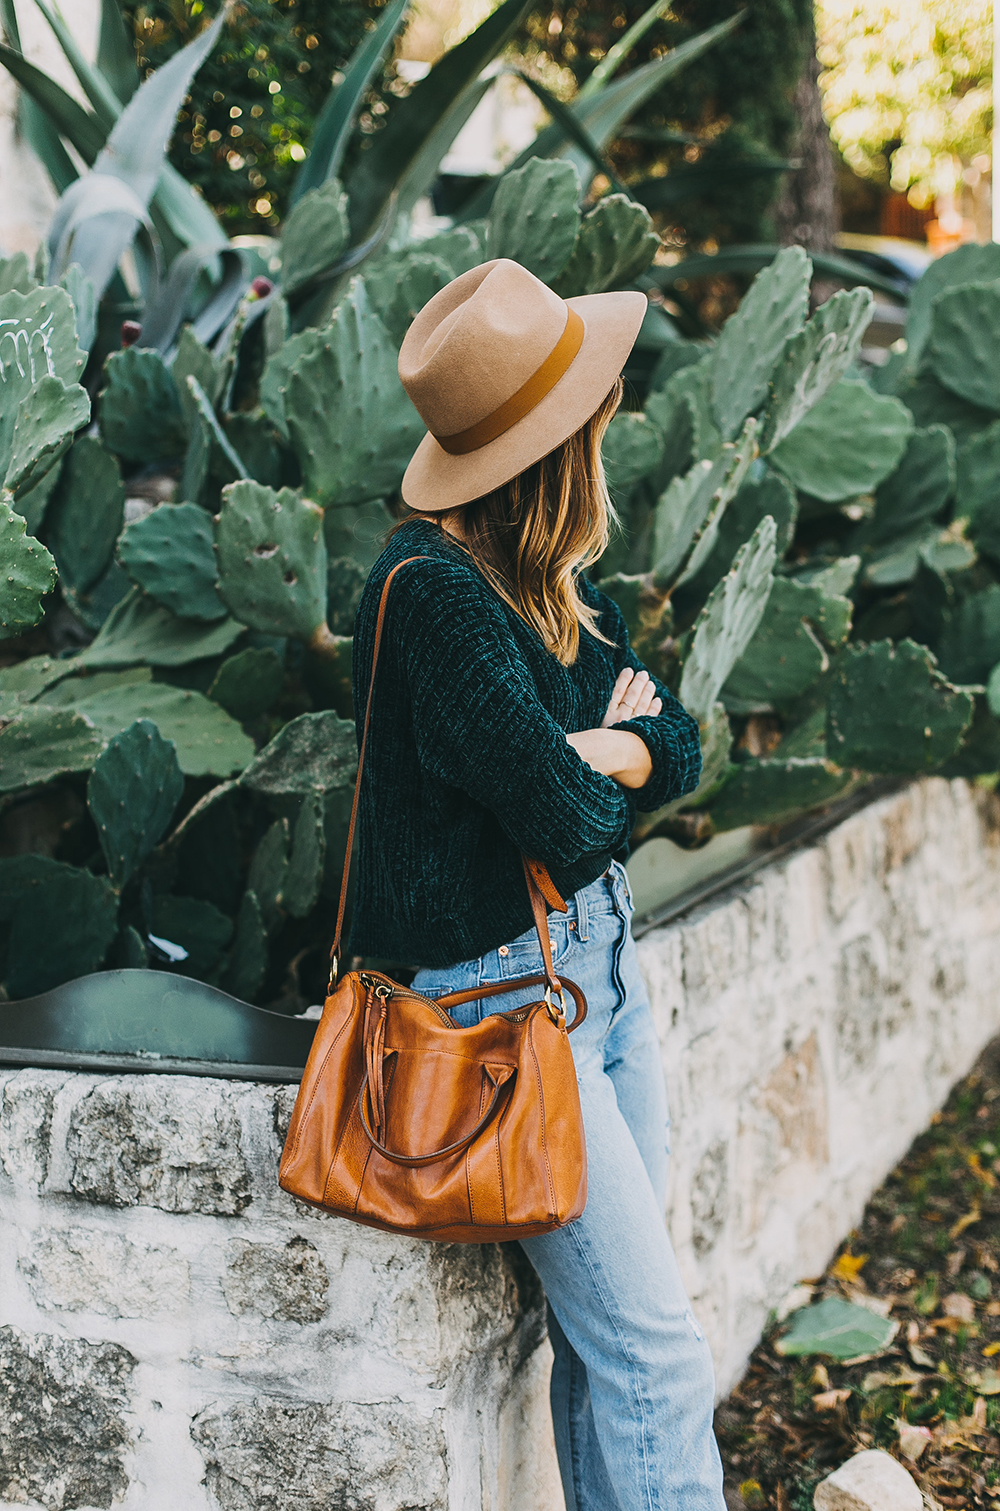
436, 480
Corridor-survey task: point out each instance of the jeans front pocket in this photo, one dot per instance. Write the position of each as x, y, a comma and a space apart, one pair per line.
523, 955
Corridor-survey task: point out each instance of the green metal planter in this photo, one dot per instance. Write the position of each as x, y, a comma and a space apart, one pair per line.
153, 1021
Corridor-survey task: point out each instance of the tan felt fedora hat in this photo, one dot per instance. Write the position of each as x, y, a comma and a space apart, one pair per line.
502, 371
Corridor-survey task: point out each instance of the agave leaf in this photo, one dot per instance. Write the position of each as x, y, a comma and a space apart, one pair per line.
115, 52
164, 315
756, 255
80, 128
424, 168
92, 81
573, 129
80, 289
393, 150
615, 56
133, 155
335, 120
684, 182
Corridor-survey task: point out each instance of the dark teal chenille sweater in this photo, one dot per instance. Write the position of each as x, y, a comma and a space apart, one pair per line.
467, 762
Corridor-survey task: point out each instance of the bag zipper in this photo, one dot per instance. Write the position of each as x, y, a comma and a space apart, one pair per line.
372, 980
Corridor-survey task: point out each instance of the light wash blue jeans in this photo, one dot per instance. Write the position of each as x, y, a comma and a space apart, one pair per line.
632, 1384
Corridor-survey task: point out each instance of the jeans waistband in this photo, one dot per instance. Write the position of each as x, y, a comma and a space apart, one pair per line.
608, 894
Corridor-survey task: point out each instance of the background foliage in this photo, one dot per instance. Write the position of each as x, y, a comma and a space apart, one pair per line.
908, 88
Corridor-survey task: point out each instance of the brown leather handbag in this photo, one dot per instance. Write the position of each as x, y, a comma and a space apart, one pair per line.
405, 1121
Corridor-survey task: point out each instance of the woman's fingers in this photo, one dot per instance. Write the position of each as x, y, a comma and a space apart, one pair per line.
634, 695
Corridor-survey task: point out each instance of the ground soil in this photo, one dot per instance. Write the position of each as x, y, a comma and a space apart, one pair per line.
927, 1252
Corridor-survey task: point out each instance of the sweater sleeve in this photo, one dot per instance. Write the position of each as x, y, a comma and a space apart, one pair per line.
480, 727
671, 736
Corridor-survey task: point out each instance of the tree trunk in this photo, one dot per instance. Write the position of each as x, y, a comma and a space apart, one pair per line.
806, 211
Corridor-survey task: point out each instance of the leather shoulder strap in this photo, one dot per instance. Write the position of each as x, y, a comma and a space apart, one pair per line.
534, 871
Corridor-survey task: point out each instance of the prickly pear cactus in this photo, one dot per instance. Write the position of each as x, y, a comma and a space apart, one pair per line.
134, 787
27, 573
272, 560
752, 341
615, 243
534, 219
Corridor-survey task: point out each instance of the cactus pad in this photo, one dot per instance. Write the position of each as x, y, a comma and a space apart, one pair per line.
208, 741
534, 218
134, 787
40, 744
140, 409
814, 361
753, 339
62, 922
631, 448
962, 350
43, 431
350, 422
398, 286
920, 487
762, 493
38, 340
459, 249
773, 792
689, 514
272, 559
979, 498
197, 926
969, 647
968, 264
195, 361
314, 235
305, 864
170, 553
85, 514
890, 709
727, 623
27, 573
248, 956
249, 683
268, 870
615, 243
313, 753
786, 654
137, 630
847, 444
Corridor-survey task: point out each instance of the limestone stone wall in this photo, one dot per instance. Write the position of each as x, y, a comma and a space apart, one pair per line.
812, 1020
178, 1335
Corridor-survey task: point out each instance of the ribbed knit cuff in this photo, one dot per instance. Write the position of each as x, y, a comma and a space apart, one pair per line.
676, 760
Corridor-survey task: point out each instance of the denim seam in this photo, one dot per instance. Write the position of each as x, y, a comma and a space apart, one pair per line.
626, 1354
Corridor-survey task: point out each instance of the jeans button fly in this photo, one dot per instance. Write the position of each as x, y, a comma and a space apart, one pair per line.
504, 950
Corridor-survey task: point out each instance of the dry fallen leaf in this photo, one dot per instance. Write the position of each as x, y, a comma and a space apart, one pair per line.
878, 1378
829, 1400
913, 1440
961, 1307
820, 1378
849, 1267
921, 1357
990, 1350
963, 1223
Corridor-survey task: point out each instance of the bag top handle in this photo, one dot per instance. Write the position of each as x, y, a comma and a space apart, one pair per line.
532, 869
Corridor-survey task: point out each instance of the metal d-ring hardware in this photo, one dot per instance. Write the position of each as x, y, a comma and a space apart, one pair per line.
557, 1014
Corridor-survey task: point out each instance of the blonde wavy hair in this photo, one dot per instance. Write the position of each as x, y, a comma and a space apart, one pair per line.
532, 537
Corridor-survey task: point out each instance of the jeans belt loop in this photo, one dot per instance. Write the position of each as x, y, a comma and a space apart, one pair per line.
582, 916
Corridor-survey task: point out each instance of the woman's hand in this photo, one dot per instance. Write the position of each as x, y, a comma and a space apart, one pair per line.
634, 695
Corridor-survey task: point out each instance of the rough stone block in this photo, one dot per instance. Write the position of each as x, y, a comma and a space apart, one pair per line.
870, 1481
272, 1455
289, 1283
86, 1270
63, 1435
25, 1124
160, 1141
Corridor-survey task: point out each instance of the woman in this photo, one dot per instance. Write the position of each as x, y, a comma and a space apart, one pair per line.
510, 717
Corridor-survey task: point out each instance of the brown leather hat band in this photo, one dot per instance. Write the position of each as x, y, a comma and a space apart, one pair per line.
541, 382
